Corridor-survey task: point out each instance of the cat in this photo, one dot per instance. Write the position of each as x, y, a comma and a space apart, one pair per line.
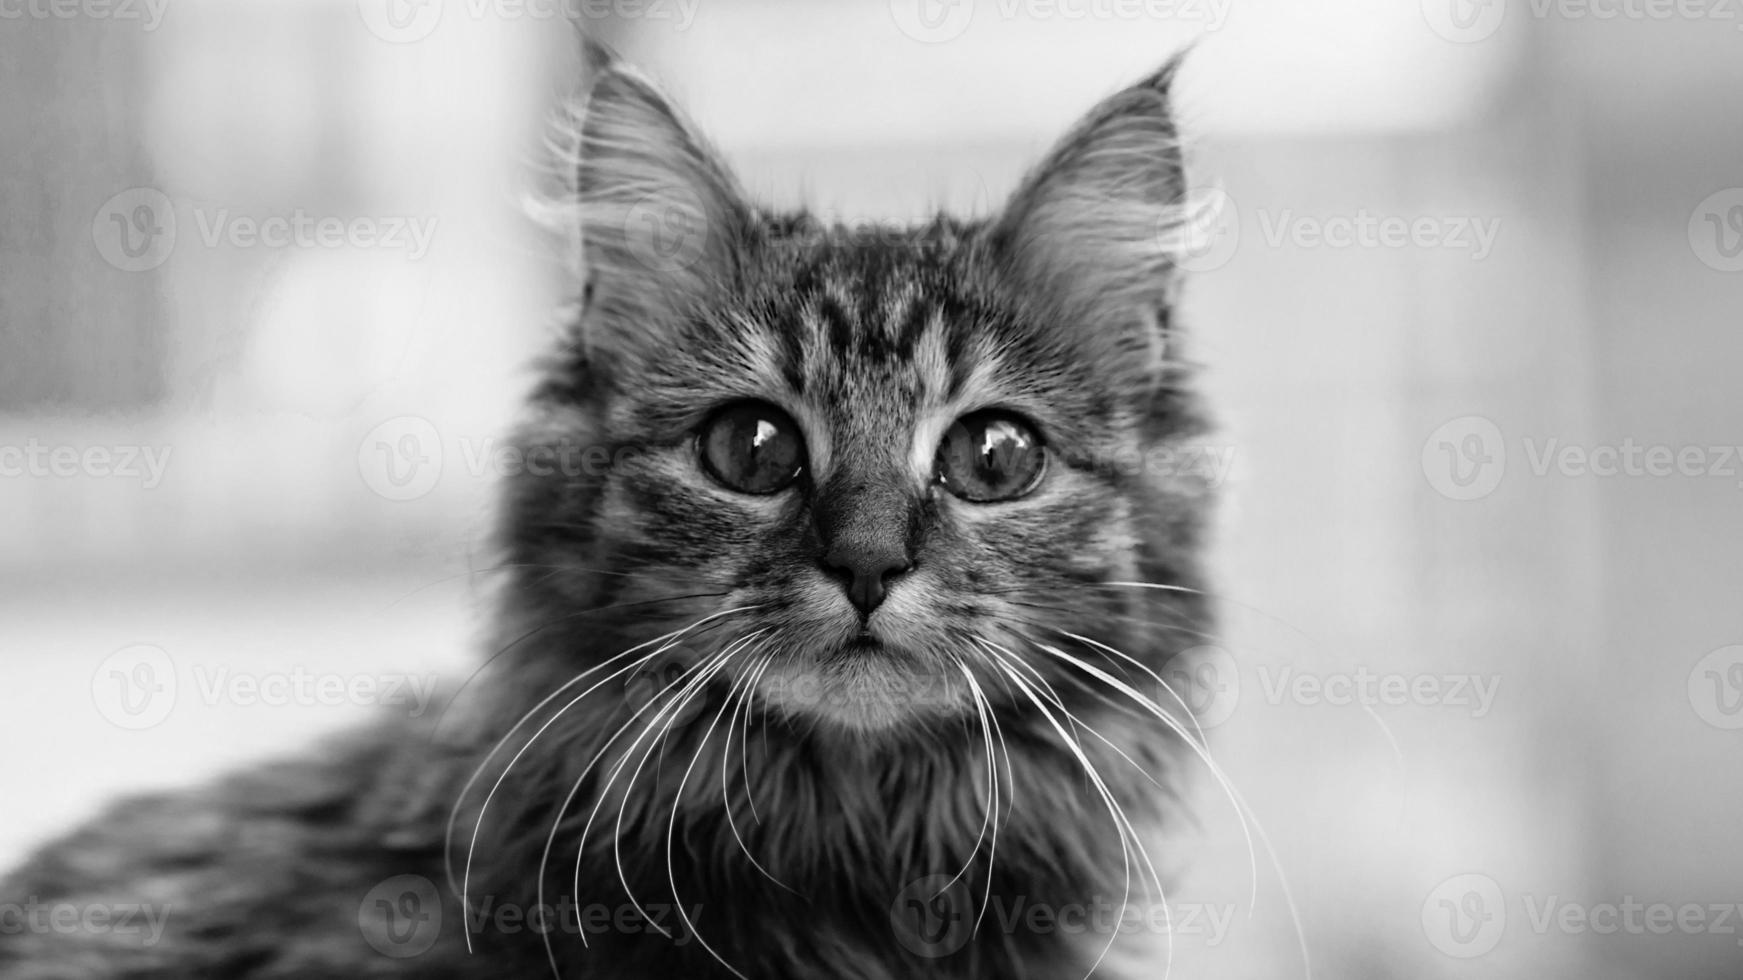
852, 634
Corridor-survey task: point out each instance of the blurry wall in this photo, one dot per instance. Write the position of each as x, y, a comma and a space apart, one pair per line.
241, 235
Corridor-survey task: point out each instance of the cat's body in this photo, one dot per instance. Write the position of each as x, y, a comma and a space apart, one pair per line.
798, 728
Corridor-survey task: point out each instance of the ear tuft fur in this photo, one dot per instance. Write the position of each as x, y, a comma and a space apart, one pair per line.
660, 218
1087, 232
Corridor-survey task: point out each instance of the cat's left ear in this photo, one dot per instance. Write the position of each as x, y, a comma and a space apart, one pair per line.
661, 219
1085, 237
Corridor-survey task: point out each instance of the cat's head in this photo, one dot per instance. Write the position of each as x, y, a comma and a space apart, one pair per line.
878, 474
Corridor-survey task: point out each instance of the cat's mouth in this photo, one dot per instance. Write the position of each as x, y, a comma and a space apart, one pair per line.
866, 644
865, 683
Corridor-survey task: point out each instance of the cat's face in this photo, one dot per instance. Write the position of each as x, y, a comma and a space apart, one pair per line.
889, 469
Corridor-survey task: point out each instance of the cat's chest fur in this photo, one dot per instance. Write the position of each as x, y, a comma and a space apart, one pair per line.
716, 847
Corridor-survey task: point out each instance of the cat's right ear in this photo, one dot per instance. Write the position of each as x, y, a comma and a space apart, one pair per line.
660, 216
1086, 235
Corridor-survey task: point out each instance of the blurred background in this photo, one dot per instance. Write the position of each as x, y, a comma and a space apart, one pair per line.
1467, 286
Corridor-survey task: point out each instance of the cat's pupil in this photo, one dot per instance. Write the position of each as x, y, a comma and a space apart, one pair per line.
1001, 449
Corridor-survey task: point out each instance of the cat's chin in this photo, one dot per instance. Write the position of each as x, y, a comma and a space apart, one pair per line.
864, 686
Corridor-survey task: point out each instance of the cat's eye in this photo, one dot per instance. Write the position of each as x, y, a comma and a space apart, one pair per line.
989, 456
753, 447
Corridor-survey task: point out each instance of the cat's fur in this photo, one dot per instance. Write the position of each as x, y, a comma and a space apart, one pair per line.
1059, 308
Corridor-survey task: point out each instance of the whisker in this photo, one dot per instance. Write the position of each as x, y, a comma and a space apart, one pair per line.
568, 800
751, 678
1118, 707
987, 818
981, 706
990, 790
1010, 780
597, 756
1052, 696
478, 771
1133, 618
1199, 747
1128, 834
670, 639
665, 719
1135, 662
683, 683
436, 728
693, 678
1079, 722
744, 737
1185, 590
1242, 809
544, 859
672, 826
604, 792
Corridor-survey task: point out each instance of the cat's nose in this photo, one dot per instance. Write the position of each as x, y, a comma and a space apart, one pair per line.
867, 529
866, 572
